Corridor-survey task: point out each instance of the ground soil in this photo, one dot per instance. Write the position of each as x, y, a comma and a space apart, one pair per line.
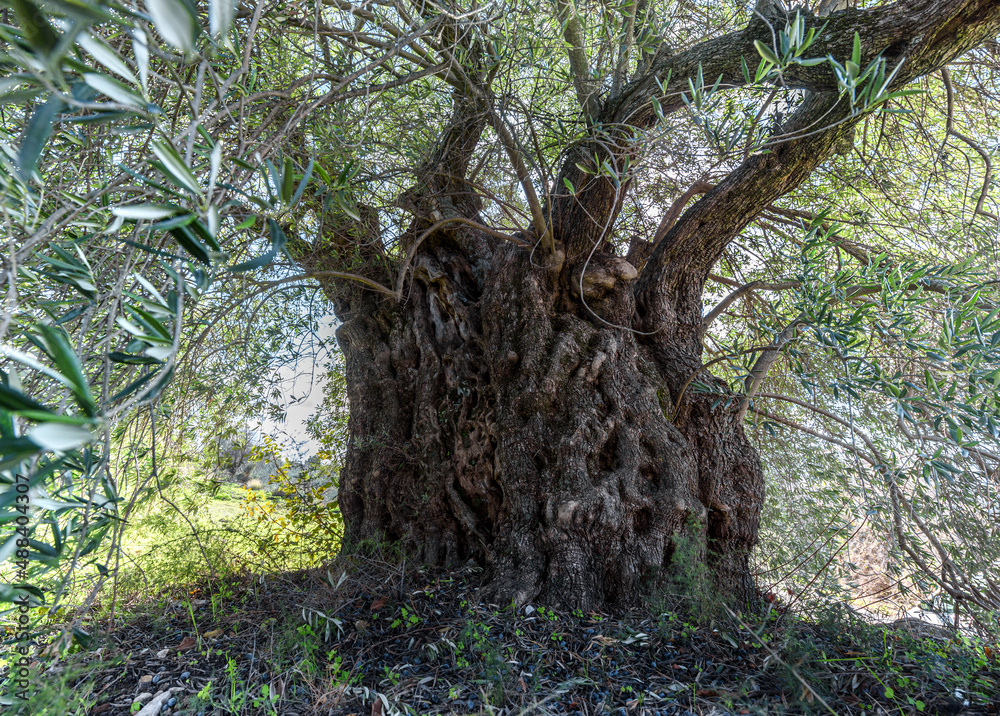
451, 653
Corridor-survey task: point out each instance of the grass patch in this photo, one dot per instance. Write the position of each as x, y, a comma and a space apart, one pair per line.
179, 554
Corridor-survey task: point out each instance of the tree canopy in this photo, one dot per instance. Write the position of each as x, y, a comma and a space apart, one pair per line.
729, 219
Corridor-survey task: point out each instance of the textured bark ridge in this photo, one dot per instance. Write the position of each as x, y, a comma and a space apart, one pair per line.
598, 479
500, 410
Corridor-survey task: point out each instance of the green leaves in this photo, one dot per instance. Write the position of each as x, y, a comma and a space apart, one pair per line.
133, 359
45, 451
288, 180
954, 399
191, 243
54, 341
117, 91
37, 132
145, 212
37, 30
59, 437
72, 269
340, 188
866, 88
106, 56
281, 187
278, 241
220, 16
70, 79
176, 21
173, 167
791, 44
766, 52
15, 401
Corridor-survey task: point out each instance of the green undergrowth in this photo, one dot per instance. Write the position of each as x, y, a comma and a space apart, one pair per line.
339, 638
185, 533
839, 655
184, 543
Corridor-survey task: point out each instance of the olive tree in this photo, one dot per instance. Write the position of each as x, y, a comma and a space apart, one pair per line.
548, 232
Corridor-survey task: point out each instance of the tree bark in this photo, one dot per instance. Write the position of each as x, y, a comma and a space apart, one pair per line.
494, 419
531, 411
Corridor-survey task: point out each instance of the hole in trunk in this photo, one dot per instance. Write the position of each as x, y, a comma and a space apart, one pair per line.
642, 520
718, 523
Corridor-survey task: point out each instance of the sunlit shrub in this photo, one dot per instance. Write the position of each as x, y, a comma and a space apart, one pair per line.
308, 514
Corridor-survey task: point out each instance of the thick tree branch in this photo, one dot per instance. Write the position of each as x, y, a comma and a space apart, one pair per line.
669, 289
920, 36
670, 218
586, 88
624, 48
766, 360
670, 286
512, 148
925, 31
444, 170
640, 249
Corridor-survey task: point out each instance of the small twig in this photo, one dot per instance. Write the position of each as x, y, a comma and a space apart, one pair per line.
666, 223
742, 290
950, 130
159, 490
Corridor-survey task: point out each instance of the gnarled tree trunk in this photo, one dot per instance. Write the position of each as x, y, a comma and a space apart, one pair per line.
493, 418
526, 404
